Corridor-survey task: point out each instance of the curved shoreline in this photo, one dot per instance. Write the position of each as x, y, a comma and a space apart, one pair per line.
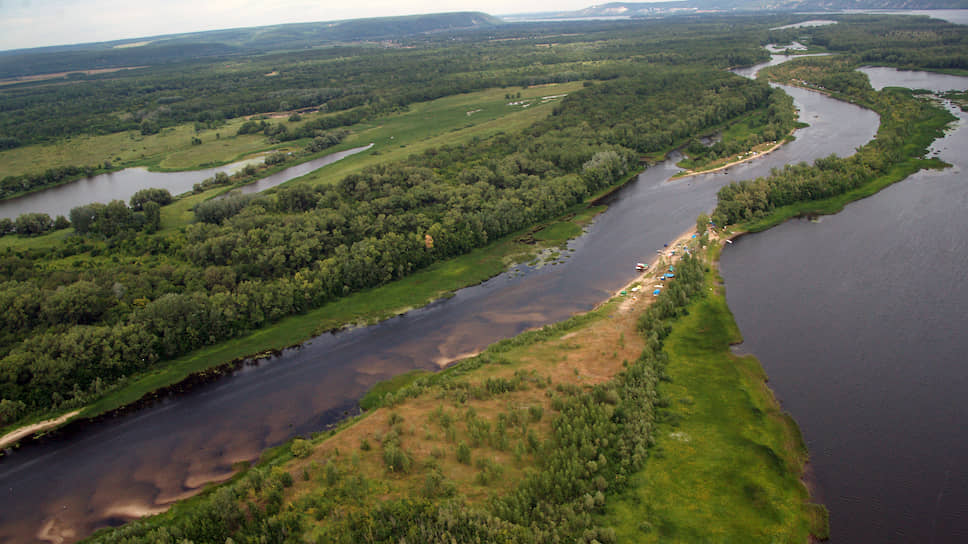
690, 173
11, 438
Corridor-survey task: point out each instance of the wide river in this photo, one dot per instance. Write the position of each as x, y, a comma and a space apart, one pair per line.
860, 319
90, 475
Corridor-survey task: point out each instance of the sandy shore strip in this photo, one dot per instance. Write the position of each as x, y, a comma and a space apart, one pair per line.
665, 258
13, 437
688, 173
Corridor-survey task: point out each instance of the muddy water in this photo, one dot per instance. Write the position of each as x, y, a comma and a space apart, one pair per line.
104, 473
122, 184
860, 321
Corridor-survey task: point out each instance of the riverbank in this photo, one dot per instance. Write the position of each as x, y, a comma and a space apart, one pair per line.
402, 449
751, 155
727, 460
367, 307
11, 438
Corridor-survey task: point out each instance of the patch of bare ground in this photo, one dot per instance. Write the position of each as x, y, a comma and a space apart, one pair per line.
57, 75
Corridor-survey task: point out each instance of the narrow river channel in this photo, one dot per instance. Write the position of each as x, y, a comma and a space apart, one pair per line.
860, 321
123, 184
91, 475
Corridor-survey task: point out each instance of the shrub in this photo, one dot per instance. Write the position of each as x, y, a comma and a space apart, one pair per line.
463, 453
301, 448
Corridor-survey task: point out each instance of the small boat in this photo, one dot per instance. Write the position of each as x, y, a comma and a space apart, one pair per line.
641, 266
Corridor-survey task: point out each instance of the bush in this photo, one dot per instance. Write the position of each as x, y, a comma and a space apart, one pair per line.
301, 448
33, 223
396, 459
463, 453
161, 196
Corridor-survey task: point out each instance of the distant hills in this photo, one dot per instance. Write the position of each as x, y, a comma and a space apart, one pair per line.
220, 43
156, 50
650, 9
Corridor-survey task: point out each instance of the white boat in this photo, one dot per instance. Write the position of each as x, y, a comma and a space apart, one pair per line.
641, 266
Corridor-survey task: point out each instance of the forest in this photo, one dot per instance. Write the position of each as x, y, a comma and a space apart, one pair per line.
117, 297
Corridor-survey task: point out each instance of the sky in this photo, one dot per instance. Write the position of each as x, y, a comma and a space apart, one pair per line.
36, 23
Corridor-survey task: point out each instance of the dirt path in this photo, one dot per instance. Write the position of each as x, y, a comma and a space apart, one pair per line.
11, 438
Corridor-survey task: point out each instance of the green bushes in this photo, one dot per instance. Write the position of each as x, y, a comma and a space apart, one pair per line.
463, 453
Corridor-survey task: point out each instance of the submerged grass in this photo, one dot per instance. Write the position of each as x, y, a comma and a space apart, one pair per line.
727, 462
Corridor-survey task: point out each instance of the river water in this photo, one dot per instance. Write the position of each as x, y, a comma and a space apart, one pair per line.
860, 321
123, 184
91, 475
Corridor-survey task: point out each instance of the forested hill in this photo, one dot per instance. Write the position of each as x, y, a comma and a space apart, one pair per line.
210, 44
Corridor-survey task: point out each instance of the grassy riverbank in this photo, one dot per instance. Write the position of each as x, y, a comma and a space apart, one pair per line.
727, 463
450, 119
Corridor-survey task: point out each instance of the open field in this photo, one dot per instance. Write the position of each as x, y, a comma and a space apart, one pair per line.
449, 120
444, 120
58, 75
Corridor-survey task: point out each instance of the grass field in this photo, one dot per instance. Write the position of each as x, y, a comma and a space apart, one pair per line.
445, 120
727, 462
449, 120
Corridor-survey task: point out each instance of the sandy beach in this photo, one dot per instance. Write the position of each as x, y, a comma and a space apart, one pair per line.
688, 173
13, 437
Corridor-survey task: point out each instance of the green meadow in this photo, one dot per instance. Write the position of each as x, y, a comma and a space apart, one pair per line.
727, 462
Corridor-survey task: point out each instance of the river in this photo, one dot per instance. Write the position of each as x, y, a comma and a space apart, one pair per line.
860, 321
91, 475
123, 184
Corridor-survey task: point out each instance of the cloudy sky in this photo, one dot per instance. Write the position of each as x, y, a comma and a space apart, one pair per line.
34, 23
